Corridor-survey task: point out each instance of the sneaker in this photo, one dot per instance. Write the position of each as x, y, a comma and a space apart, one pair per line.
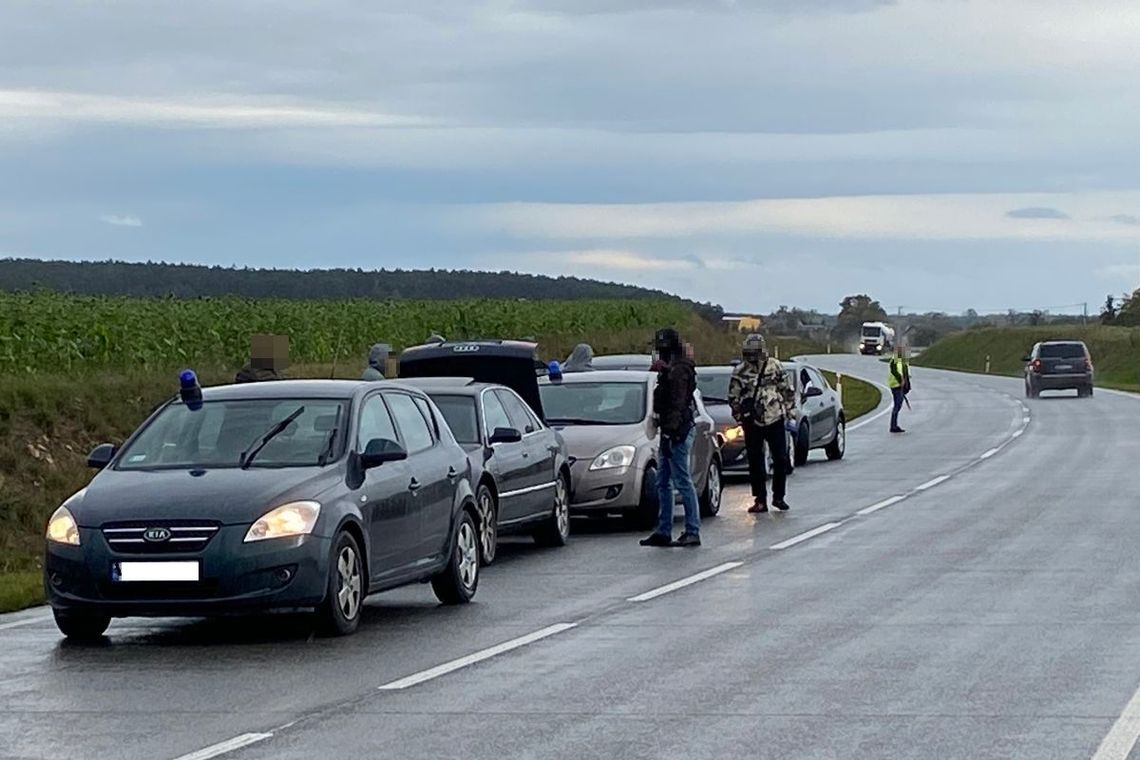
657, 539
758, 507
781, 505
688, 539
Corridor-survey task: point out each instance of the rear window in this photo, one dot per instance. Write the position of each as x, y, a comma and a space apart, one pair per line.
1063, 351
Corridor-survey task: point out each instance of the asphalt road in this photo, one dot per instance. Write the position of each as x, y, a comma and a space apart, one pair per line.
991, 610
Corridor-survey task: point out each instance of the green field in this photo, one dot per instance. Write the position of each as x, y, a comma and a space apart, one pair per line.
76, 371
1115, 351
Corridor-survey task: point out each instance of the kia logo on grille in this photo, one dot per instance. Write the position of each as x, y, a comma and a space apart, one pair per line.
156, 535
465, 349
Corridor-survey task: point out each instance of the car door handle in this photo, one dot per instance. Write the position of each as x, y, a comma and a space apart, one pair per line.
414, 485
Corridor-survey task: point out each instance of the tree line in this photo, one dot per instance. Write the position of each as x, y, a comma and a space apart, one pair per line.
159, 279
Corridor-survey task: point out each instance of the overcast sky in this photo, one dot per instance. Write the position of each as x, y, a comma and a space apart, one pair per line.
937, 154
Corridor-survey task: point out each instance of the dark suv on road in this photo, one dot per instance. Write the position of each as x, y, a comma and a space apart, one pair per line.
1059, 365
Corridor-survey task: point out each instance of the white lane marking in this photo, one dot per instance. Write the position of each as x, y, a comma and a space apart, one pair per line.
450, 667
805, 536
22, 623
931, 483
1017, 433
868, 420
229, 745
881, 505
675, 585
991, 453
1121, 738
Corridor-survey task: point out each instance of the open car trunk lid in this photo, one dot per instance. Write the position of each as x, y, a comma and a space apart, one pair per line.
514, 364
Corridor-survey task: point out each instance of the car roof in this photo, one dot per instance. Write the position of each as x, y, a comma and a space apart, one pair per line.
1061, 342
785, 363
601, 376
285, 389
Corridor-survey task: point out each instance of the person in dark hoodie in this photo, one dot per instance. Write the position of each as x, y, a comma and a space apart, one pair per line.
581, 359
268, 357
377, 362
675, 409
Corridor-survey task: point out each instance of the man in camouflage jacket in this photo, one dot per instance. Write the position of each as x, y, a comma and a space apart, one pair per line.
763, 402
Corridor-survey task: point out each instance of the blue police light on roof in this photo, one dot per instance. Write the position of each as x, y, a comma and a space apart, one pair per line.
189, 390
554, 369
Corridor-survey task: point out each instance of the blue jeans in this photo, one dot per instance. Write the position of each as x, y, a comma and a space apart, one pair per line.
673, 472
899, 397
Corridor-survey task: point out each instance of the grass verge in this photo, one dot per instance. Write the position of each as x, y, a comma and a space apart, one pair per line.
859, 396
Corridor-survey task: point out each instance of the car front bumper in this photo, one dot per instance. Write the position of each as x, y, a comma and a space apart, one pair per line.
283, 573
598, 491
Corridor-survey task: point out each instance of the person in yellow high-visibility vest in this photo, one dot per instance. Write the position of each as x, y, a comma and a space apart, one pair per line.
898, 380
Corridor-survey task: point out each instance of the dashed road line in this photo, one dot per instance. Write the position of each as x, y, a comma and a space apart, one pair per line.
932, 483
229, 745
805, 536
881, 505
1121, 738
450, 667
689, 581
990, 453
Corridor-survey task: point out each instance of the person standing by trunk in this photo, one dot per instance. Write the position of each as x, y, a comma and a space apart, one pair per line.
763, 402
898, 379
675, 407
377, 362
580, 360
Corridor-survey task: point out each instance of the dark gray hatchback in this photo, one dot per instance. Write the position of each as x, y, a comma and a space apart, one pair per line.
302, 494
1059, 365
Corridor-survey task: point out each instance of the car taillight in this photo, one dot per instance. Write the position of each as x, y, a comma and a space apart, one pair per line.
1035, 365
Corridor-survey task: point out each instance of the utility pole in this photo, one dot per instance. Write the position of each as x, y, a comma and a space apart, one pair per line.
1086, 310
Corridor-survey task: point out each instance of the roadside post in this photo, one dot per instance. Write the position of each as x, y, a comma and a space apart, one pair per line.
987, 364
839, 387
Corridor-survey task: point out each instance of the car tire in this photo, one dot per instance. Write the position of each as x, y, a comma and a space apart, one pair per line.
81, 626
457, 583
838, 446
803, 445
714, 486
488, 524
555, 530
339, 613
644, 515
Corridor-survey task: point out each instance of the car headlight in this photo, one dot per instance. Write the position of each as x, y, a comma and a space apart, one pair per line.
733, 434
618, 456
297, 518
61, 528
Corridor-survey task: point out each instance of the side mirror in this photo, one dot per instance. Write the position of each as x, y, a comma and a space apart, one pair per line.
381, 450
505, 435
1027, 359
101, 456
813, 391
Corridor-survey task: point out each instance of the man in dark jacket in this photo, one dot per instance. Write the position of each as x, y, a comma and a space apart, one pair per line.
268, 357
377, 362
675, 409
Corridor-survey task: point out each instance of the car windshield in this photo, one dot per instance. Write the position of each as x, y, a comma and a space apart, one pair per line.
871, 332
622, 361
459, 411
1063, 351
713, 386
216, 435
596, 403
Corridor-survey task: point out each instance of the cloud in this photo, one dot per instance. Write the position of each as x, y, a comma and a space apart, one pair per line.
121, 221
608, 258
1128, 219
918, 217
1036, 212
638, 6
189, 111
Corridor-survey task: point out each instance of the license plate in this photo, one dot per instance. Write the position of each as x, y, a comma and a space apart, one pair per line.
1064, 366
133, 572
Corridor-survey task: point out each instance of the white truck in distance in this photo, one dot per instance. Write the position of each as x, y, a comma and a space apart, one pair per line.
876, 338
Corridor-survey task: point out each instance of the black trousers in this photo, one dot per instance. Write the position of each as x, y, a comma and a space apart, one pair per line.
774, 437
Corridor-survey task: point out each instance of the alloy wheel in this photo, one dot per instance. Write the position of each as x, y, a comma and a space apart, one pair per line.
348, 583
561, 508
714, 488
488, 526
467, 548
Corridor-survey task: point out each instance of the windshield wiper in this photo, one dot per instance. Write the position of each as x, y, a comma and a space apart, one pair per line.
248, 455
323, 459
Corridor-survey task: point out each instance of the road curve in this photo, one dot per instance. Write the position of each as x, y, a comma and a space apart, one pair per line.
969, 589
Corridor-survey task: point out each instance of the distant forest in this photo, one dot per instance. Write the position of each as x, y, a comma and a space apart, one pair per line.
195, 281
